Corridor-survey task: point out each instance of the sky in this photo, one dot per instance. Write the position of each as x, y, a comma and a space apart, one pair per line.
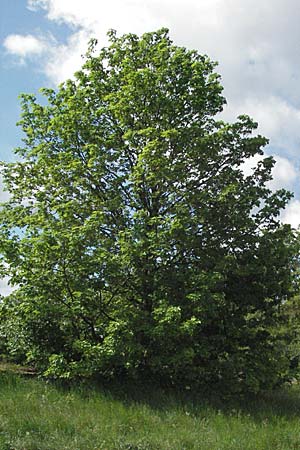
257, 45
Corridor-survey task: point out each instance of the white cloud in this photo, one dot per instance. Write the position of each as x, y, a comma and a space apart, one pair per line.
284, 173
277, 119
98, 17
291, 214
34, 5
4, 195
5, 288
249, 165
24, 45
64, 60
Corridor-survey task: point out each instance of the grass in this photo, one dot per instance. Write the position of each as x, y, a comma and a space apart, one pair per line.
35, 415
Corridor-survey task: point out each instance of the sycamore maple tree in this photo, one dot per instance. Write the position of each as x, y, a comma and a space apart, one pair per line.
137, 244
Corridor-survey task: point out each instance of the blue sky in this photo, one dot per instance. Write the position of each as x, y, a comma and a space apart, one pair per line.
18, 75
257, 44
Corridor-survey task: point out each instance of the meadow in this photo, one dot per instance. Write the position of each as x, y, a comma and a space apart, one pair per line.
39, 415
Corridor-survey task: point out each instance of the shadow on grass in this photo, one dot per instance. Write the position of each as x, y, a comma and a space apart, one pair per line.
283, 402
279, 403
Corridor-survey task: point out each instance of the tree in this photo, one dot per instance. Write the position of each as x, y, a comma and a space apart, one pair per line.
136, 242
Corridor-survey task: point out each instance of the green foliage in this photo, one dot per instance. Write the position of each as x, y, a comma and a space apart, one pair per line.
138, 245
290, 331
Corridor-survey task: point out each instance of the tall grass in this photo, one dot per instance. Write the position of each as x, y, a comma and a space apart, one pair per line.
35, 415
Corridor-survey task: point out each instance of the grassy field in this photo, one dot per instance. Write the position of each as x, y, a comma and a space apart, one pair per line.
35, 415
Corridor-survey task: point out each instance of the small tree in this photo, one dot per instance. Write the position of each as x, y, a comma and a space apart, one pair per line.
136, 241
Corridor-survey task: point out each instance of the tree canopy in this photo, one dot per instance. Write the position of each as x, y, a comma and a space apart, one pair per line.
137, 244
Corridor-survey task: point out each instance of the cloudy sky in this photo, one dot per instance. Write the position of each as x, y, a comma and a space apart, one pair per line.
257, 45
